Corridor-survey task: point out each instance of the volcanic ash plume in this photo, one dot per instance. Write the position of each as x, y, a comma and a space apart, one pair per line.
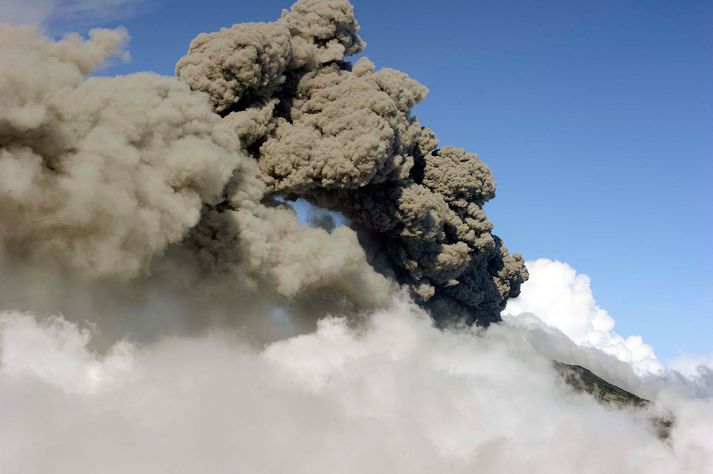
102, 173
342, 136
116, 178
119, 178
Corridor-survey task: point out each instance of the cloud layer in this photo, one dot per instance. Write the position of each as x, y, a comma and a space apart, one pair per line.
396, 395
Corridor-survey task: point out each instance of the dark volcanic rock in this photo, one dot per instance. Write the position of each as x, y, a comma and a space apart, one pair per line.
582, 379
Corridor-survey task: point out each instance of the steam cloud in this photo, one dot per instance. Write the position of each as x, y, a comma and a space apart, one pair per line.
159, 210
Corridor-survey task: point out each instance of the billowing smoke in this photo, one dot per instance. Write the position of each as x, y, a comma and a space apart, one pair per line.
114, 179
342, 135
104, 172
164, 309
108, 175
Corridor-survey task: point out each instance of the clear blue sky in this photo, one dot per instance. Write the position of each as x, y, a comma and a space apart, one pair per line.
596, 118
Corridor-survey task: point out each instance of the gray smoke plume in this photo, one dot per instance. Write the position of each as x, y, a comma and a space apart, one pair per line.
189, 179
342, 136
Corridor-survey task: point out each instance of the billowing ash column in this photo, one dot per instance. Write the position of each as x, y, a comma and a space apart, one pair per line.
342, 136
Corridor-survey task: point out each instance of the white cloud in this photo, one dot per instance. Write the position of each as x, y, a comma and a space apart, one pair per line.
55, 351
692, 366
33, 12
42, 12
394, 395
563, 299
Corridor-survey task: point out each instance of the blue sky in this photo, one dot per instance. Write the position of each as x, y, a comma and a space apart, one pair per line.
596, 118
